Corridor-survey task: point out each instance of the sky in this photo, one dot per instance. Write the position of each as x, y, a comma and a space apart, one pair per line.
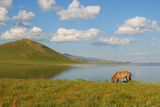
120, 30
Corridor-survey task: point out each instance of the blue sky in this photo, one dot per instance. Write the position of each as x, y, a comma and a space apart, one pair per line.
121, 30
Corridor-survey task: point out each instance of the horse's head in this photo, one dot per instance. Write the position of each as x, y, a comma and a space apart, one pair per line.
113, 77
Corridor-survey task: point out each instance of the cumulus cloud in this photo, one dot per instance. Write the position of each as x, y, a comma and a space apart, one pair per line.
4, 6
3, 14
24, 15
20, 33
48, 5
5, 3
75, 10
112, 41
136, 25
36, 30
154, 25
67, 35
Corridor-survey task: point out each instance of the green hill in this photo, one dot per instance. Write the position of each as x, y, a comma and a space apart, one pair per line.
26, 51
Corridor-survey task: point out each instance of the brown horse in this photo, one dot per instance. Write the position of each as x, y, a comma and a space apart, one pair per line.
120, 75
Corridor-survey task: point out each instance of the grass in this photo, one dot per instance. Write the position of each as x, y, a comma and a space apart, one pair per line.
78, 93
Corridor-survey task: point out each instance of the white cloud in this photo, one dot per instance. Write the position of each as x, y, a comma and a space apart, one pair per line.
64, 35
48, 5
112, 41
20, 33
13, 33
154, 25
75, 10
136, 25
24, 15
3, 14
36, 30
5, 3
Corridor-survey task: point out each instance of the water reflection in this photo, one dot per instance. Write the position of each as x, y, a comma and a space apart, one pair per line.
30, 71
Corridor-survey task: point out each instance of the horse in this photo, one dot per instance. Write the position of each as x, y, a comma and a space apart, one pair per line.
120, 75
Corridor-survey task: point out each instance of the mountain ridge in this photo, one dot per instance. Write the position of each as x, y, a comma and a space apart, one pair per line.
92, 59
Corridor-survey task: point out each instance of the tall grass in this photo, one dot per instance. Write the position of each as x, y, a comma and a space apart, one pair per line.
61, 93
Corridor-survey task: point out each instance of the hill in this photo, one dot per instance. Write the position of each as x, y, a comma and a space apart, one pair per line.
93, 60
28, 51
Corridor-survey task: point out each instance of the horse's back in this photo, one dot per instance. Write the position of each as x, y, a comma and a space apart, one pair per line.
123, 74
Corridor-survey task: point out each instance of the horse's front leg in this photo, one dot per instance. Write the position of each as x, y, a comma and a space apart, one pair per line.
117, 80
127, 78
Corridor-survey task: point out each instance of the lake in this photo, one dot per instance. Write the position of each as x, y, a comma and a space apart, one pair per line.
100, 72
90, 72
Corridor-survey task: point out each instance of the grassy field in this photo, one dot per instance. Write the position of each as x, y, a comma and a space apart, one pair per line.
78, 93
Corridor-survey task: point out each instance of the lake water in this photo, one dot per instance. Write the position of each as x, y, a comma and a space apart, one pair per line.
9, 71
140, 72
90, 72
